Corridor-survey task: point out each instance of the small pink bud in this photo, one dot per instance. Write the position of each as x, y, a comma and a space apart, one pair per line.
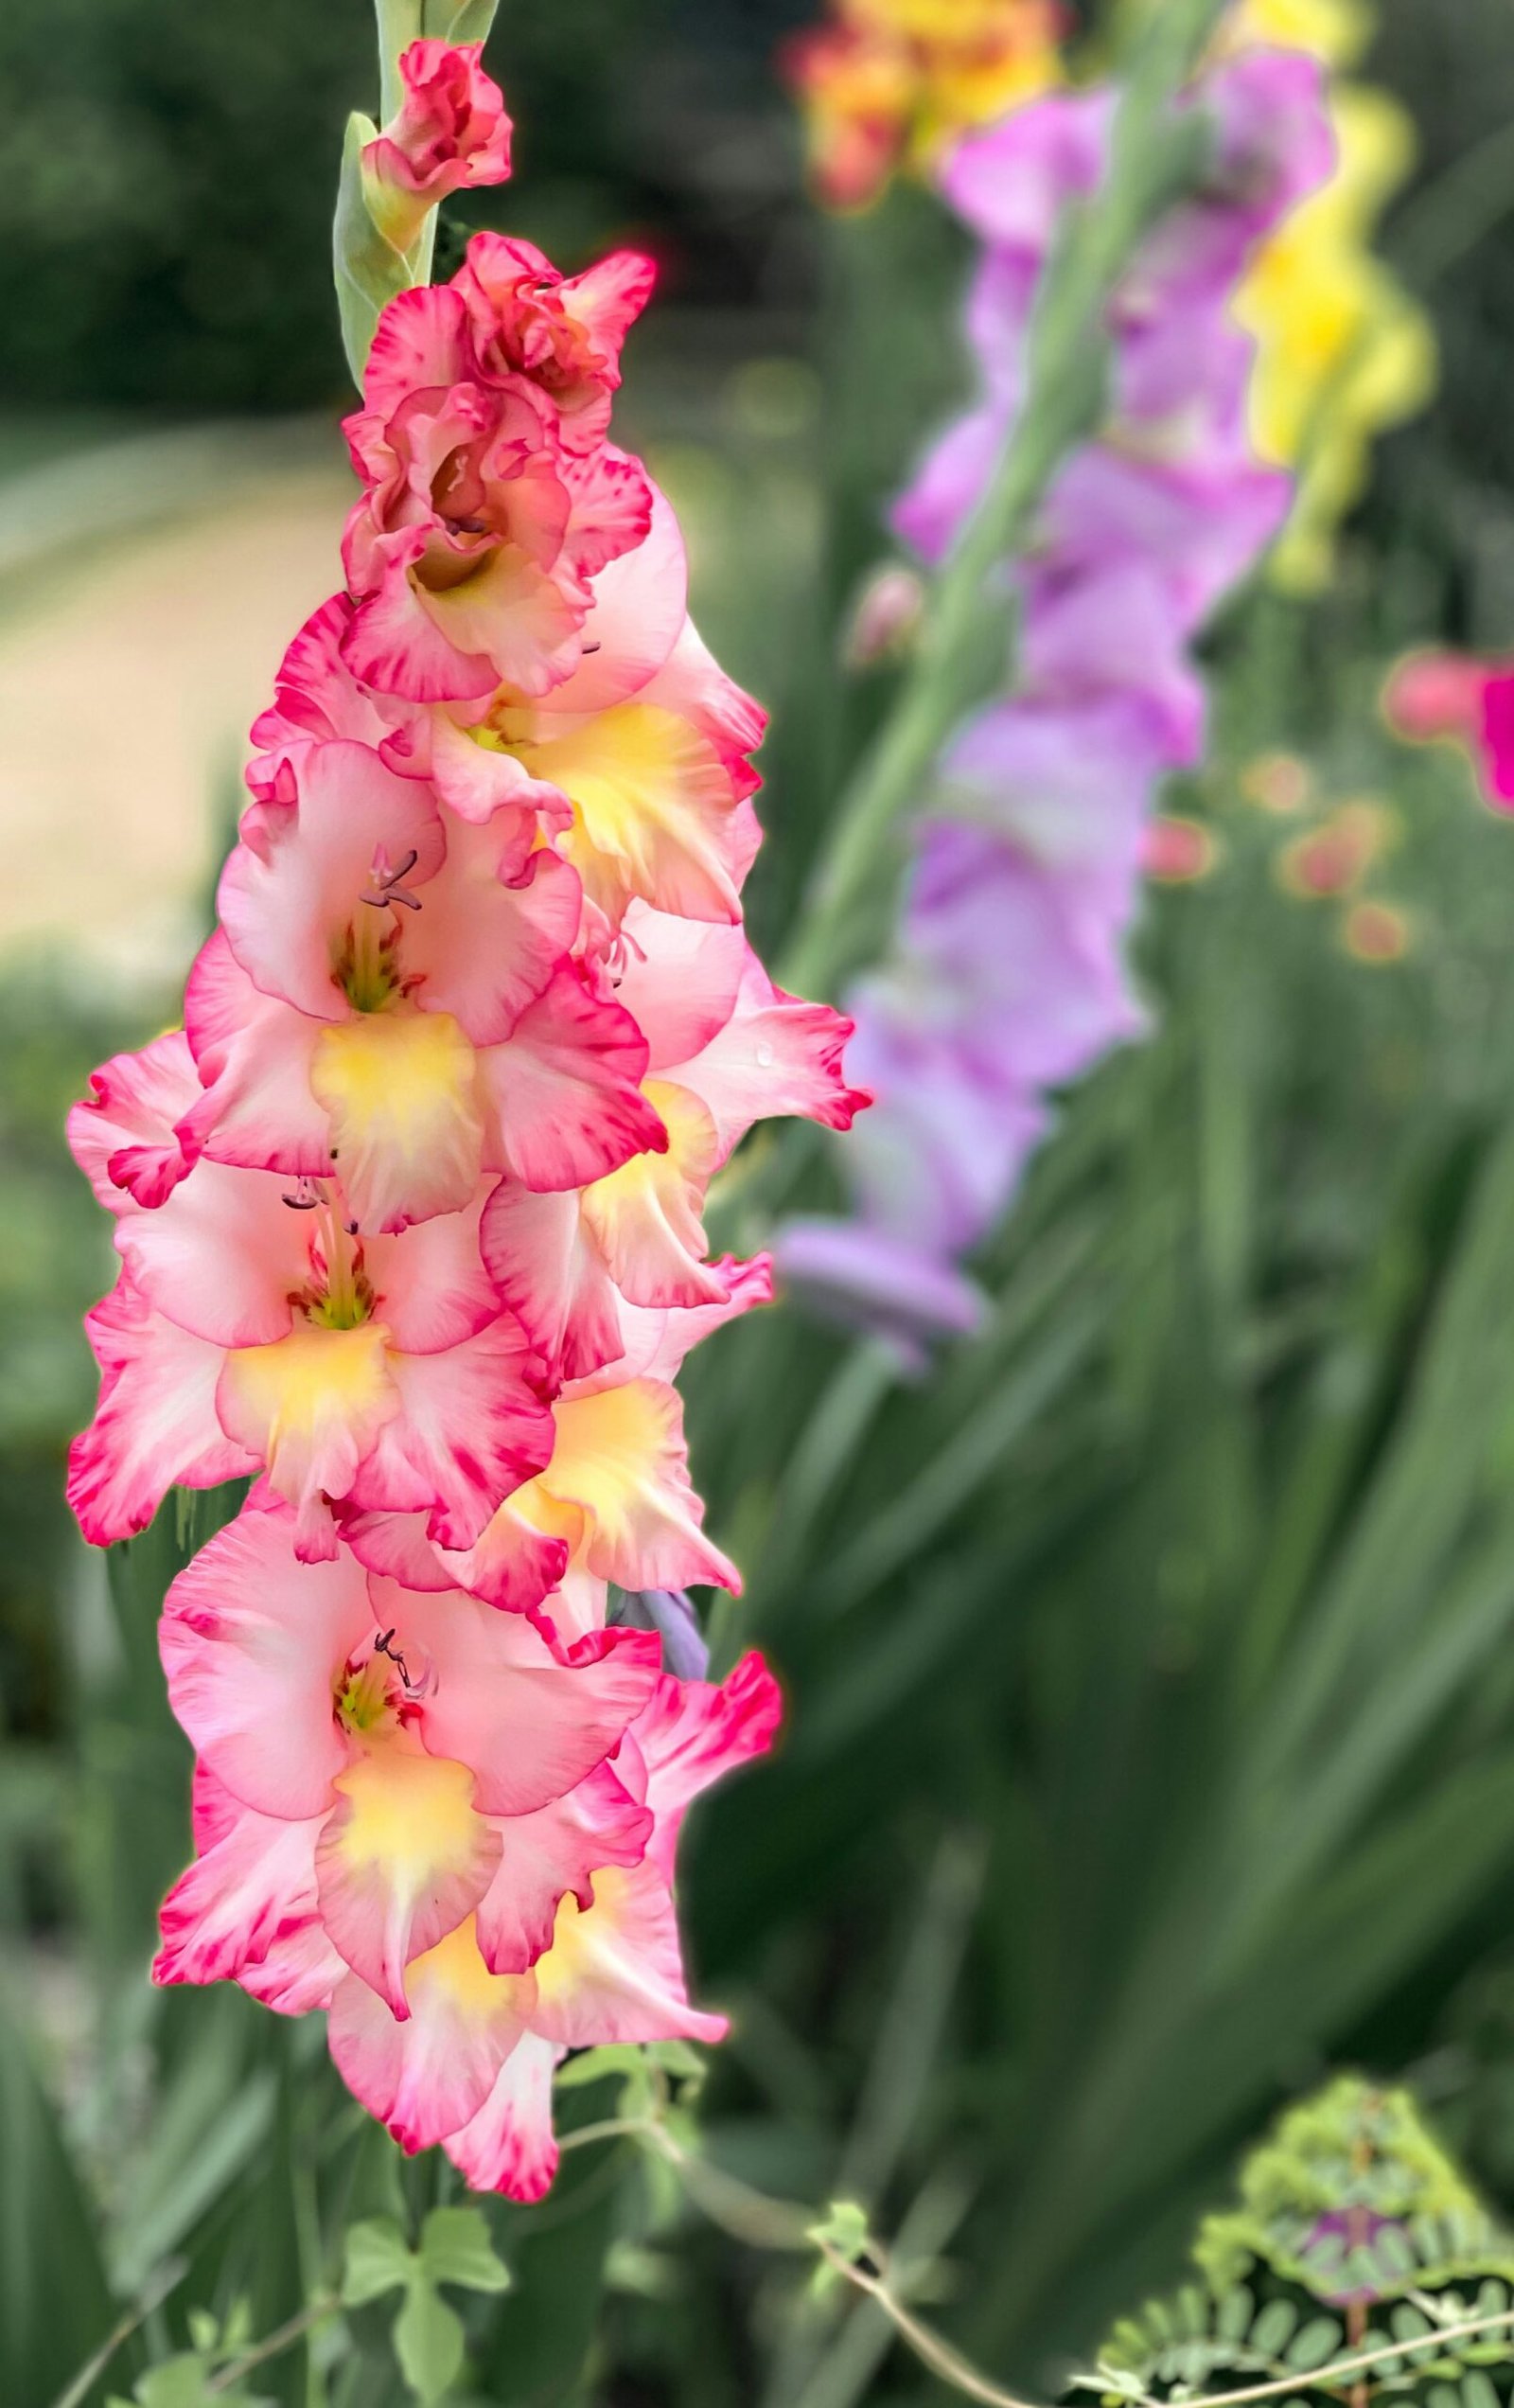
451, 131
885, 618
1276, 782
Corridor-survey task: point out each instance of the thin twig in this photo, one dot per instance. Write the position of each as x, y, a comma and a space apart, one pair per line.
152, 2294
276, 2343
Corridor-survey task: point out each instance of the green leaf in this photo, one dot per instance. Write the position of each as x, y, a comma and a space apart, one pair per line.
843, 2229
455, 2247
1274, 2327
1314, 2343
428, 2344
598, 2064
376, 2260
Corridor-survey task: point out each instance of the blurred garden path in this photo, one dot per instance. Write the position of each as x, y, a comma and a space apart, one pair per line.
148, 588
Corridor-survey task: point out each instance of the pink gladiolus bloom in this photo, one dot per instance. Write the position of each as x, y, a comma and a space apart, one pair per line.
472, 2064
451, 131
390, 991
472, 554
253, 1324
564, 334
399, 1742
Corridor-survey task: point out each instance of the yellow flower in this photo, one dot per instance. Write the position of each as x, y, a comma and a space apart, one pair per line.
1342, 351
891, 83
1335, 32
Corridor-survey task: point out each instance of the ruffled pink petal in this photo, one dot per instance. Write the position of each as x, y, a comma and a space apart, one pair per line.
492, 928
394, 645
432, 1288
680, 979
471, 1428
612, 509
548, 1268
420, 343
156, 1424
646, 1218
254, 1645
318, 700
427, 2077
774, 1057
653, 1341
124, 1135
622, 1459
252, 1885
615, 1972
296, 883
221, 1256
403, 1858
529, 1726
255, 1110
565, 1092
300, 1973
692, 1734
638, 616
509, 2145
553, 1854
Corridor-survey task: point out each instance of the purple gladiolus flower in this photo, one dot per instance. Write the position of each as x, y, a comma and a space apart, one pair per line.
1009, 977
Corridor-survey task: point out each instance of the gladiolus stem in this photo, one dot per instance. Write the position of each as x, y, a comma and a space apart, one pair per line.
1066, 386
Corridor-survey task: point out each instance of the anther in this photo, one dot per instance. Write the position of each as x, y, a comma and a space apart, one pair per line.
305, 1198
388, 884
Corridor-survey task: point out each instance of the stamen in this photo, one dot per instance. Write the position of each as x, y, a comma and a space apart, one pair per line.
306, 1197
388, 884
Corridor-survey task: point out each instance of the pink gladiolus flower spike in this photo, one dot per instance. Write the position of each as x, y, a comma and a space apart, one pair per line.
451, 131
410, 1223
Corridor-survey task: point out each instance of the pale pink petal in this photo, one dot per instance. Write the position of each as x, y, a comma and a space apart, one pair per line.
318, 700
300, 1973
393, 643
692, 1734
611, 509
421, 341
470, 1428
774, 1057
492, 928
401, 1861
254, 1053
124, 1135
429, 2076
221, 1256
553, 1854
156, 1424
691, 684
509, 2145
529, 1726
639, 612
565, 1092
646, 1218
549, 1269
296, 883
679, 980
431, 1287
653, 1341
254, 1645
615, 1972
250, 1887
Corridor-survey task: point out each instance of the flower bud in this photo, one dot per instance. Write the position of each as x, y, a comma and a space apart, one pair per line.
451, 131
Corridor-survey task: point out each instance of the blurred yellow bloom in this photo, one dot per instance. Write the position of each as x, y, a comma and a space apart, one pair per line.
1377, 932
890, 83
1335, 32
1343, 352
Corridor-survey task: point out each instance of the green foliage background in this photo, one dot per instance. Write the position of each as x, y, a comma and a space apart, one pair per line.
1151, 1743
